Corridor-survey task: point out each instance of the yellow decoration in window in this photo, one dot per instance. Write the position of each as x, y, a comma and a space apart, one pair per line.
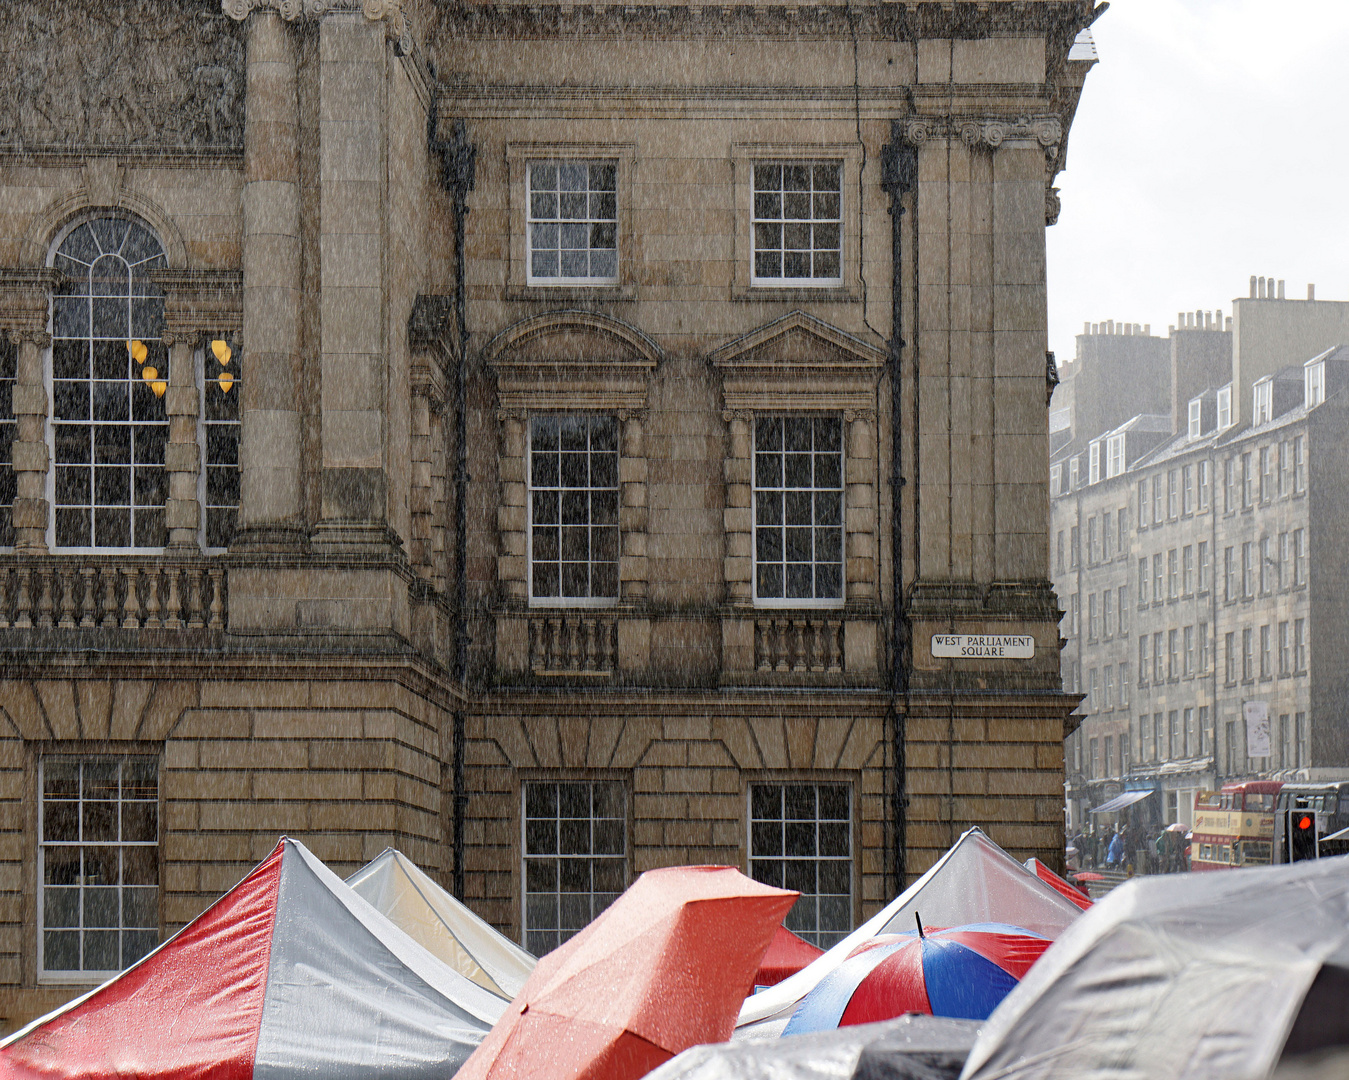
222, 352
138, 351
226, 381
159, 386
148, 373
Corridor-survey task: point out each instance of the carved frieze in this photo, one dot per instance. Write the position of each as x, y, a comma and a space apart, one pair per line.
148, 74
390, 12
987, 132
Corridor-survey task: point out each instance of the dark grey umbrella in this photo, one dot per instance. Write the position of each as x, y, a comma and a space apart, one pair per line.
907, 1048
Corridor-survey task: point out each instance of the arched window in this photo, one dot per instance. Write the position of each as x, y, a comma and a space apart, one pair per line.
108, 377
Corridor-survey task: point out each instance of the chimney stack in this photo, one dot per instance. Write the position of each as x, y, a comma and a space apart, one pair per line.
1260, 284
1147, 329
1311, 291
1229, 324
1252, 286
1280, 288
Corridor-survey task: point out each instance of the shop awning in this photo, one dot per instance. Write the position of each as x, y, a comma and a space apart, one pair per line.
1119, 802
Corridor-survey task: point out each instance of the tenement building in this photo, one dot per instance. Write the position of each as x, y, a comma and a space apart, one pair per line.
1200, 571
476, 427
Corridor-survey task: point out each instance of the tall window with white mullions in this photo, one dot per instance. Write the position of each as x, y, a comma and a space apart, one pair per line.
798, 510
98, 865
109, 374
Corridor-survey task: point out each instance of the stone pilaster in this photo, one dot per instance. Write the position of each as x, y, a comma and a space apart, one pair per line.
633, 512
182, 457
30, 443
271, 509
860, 504
738, 517
512, 510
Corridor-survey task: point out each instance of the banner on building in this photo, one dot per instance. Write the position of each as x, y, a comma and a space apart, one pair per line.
1257, 728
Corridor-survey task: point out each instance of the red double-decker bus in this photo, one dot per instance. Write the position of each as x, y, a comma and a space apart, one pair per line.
1234, 827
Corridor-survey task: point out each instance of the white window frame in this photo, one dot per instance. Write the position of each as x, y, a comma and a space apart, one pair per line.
202, 365
48, 376
588, 281
1314, 383
812, 281
1114, 456
546, 602
86, 976
1225, 407
590, 855
1263, 404
1094, 462
785, 601
1196, 427
793, 918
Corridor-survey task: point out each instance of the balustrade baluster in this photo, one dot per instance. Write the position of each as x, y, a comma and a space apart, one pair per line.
173, 607
22, 602
835, 645
817, 654
537, 656
132, 620
67, 585
781, 646
4, 599
573, 625
217, 599
88, 600
152, 599
45, 600
555, 645
762, 661
109, 576
591, 656
194, 608
798, 639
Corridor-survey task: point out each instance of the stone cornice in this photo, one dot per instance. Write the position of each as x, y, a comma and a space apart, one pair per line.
390, 12
200, 301
987, 132
24, 293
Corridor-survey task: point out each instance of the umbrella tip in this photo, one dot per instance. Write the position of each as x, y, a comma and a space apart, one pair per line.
920, 925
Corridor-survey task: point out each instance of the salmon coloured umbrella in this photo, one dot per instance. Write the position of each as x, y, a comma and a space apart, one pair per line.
787, 955
665, 967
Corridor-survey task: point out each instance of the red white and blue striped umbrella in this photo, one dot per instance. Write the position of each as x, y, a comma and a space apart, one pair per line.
963, 972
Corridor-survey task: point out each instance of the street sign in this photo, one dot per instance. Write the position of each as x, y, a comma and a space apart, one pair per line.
983, 646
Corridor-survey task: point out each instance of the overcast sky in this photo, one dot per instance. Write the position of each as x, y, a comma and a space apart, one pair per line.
1210, 144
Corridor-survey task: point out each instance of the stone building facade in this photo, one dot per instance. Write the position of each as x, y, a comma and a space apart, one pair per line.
1200, 573
472, 428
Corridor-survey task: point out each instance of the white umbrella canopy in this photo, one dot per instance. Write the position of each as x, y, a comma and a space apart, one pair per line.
1216, 976
446, 928
975, 882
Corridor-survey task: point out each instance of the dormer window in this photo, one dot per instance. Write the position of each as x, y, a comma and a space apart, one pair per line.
1264, 401
1225, 407
1196, 418
1094, 462
1114, 455
1314, 383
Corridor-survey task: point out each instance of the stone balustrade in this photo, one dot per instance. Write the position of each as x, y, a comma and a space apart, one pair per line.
800, 642
112, 593
573, 643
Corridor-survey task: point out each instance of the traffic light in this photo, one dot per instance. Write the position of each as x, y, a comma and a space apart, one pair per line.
1302, 835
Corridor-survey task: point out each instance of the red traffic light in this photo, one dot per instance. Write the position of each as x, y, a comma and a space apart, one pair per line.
1304, 822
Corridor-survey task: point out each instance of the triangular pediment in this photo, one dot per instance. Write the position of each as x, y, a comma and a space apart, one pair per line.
798, 343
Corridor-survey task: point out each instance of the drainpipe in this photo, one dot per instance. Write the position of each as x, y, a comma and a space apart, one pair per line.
458, 165
899, 175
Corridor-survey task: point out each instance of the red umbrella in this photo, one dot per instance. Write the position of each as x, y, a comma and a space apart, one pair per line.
665, 967
1087, 875
1072, 892
787, 955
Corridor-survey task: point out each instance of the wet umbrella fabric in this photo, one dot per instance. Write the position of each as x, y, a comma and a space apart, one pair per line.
290, 974
907, 1048
400, 891
787, 955
1067, 888
975, 881
1201, 976
963, 972
664, 967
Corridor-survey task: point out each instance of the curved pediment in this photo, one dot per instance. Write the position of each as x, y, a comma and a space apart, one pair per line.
572, 359
572, 340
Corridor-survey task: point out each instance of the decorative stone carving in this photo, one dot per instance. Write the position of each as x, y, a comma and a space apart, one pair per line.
390, 12
987, 132
1052, 205
121, 73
